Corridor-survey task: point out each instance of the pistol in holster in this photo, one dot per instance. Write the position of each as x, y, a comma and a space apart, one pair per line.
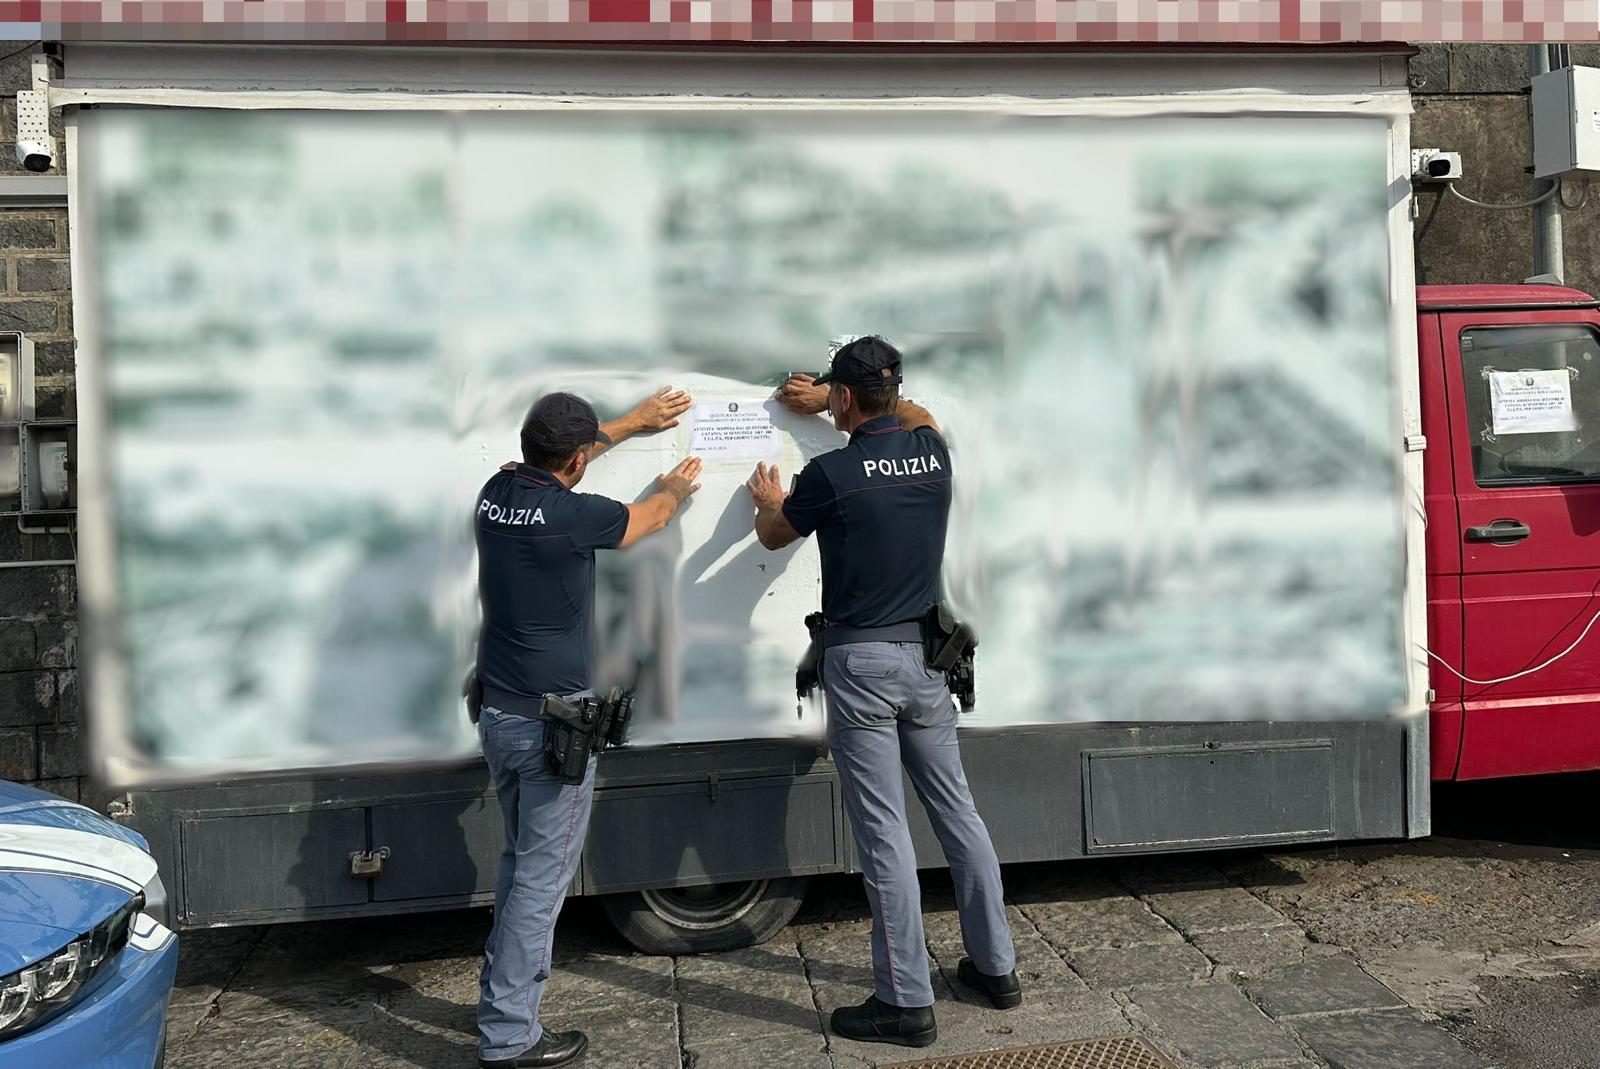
808, 674
472, 692
575, 730
948, 646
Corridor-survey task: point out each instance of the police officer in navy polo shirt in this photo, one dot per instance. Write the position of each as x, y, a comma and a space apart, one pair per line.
879, 507
536, 542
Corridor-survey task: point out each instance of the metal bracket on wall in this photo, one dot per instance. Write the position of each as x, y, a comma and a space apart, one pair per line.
33, 191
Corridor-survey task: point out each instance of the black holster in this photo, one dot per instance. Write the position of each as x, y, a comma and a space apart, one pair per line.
575, 730
808, 674
948, 646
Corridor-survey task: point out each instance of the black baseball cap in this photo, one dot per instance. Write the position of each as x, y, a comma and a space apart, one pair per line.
867, 363
561, 424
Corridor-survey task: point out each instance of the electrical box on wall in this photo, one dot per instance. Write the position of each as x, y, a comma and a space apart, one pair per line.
49, 467
1566, 122
16, 378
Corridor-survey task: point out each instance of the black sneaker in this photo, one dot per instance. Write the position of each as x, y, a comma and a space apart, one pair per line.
553, 1048
1005, 992
878, 1022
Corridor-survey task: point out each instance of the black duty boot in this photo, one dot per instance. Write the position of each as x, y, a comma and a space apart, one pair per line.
553, 1048
878, 1022
1004, 991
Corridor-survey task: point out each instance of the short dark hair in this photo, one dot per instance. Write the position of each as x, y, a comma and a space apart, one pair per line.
874, 403
542, 459
538, 455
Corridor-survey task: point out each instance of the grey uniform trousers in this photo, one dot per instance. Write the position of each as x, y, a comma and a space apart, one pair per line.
546, 821
886, 709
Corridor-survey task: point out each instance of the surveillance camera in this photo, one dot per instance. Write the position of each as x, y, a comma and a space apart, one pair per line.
1435, 165
35, 155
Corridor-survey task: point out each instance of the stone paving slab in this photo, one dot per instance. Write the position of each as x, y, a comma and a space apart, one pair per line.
847, 965
779, 970
1039, 967
713, 1014
1384, 1041
617, 1043
209, 961
423, 1011
1253, 950
1215, 1025
1107, 922
637, 978
799, 1052
1320, 985
780, 955
396, 1041
1212, 909
1124, 967
292, 1042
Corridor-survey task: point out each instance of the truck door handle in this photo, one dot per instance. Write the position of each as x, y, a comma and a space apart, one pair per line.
1500, 532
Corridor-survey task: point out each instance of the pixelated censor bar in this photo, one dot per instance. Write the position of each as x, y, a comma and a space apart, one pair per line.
1243, 22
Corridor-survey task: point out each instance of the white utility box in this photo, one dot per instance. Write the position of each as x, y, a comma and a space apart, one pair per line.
1566, 122
16, 377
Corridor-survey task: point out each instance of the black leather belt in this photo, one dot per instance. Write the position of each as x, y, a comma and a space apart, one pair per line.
839, 634
530, 707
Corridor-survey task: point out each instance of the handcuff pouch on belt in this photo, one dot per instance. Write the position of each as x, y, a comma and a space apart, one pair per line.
574, 730
948, 646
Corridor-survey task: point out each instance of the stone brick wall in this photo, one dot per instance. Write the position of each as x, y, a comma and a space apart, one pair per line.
39, 737
1473, 99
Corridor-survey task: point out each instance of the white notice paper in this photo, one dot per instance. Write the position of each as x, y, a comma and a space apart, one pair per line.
734, 430
1531, 402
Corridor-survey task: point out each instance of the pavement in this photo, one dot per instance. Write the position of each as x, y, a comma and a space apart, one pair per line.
1478, 947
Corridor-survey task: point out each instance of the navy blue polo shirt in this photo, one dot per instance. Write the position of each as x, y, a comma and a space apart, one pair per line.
536, 543
879, 507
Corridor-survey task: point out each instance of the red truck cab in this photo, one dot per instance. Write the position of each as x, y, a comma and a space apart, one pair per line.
1512, 487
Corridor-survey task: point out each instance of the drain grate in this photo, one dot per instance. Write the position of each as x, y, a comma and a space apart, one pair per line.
1118, 1052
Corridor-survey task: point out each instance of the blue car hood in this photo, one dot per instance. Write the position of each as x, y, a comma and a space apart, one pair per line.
63, 869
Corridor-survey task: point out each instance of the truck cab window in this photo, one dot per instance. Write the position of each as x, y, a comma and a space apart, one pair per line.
1533, 403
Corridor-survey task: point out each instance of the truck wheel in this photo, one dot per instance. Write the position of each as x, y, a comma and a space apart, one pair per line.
719, 916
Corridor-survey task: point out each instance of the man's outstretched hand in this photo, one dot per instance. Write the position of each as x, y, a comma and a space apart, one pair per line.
766, 488
660, 410
680, 481
801, 395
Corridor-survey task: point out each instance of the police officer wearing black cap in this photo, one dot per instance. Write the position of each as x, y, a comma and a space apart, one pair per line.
879, 507
536, 542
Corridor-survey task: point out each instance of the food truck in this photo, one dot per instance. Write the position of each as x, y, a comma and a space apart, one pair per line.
1254, 532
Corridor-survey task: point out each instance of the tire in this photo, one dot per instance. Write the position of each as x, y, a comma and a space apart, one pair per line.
693, 920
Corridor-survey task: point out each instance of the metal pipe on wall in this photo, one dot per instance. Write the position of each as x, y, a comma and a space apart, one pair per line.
1548, 258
